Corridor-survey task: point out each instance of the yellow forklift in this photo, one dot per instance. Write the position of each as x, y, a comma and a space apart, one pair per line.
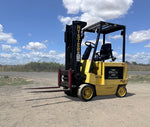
84, 77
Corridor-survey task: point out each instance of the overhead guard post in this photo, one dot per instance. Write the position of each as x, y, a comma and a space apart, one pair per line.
97, 40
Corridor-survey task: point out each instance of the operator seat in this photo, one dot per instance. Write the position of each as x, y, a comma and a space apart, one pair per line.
105, 53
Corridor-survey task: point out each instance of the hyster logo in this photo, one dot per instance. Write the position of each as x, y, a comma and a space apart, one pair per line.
78, 57
78, 39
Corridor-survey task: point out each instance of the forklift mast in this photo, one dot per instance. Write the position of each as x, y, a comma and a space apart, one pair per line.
73, 39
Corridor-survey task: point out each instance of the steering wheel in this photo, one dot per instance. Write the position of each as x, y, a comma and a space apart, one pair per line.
88, 43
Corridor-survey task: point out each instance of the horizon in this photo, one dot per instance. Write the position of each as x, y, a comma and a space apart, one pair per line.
133, 63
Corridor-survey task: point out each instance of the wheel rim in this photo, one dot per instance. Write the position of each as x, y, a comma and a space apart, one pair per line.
87, 93
122, 91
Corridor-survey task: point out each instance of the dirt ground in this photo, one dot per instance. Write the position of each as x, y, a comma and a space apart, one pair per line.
19, 108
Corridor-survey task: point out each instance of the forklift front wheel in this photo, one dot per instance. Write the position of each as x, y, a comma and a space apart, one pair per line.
121, 91
85, 92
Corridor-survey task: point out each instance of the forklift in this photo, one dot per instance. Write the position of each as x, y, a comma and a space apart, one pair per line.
85, 77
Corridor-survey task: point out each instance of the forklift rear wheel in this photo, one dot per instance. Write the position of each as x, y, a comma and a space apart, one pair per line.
121, 92
85, 92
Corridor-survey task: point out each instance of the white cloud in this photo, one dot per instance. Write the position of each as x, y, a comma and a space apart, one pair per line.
11, 41
23, 58
6, 37
8, 48
116, 37
73, 6
96, 10
11, 58
148, 45
141, 57
1, 28
35, 46
53, 56
67, 20
118, 56
16, 50
139, 36
45, 41
101, 40
52, 52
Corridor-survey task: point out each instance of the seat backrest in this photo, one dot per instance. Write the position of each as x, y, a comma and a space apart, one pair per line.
106, 48
106, 51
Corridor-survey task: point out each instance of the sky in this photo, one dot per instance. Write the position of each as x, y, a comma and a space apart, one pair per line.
33, 30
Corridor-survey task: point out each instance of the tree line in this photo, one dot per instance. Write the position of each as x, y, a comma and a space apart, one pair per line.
53, 67
33, 67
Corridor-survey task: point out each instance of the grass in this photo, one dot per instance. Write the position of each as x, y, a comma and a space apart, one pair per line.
33, 67
139, 78
9, 80
6, 80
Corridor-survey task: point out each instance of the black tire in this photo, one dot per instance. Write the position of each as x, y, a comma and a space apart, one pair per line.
86, 92
121, 91
67, 93
72, 93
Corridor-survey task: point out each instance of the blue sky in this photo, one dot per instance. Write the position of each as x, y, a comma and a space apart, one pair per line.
32, 30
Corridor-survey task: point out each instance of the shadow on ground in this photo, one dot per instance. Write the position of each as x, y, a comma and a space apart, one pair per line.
36, 99
71, 99
111, 96
35, 106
